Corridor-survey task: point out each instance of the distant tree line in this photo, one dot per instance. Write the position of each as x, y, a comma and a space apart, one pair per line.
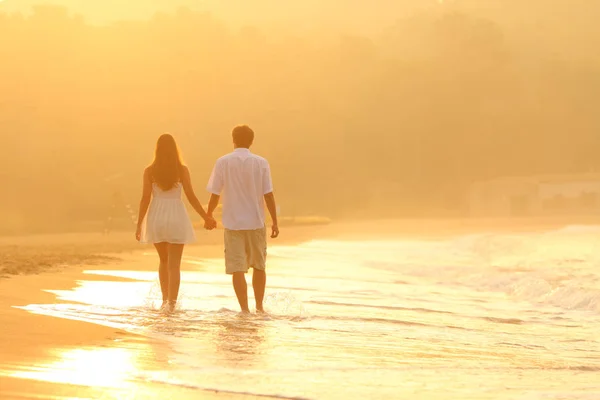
396, 125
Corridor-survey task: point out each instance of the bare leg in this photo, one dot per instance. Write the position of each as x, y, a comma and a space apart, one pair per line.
175, 253
163, 269
241, 290
259, 281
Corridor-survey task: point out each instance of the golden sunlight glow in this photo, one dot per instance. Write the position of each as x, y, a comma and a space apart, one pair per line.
397, 116
436, 165
109, 368
93, 292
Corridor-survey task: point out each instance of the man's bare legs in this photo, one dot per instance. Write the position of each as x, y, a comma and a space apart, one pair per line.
163, 269
259, 281
175, 253
241, 290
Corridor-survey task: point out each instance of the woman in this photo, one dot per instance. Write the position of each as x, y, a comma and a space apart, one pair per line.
163, 219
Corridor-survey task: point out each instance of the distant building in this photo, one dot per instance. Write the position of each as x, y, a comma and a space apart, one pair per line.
538, 195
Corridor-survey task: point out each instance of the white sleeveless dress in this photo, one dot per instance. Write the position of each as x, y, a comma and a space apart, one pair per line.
167, 219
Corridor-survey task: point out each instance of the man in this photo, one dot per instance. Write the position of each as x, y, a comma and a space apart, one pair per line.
244, 179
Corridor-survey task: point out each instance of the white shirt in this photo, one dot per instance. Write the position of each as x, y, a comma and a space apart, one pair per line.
243, 178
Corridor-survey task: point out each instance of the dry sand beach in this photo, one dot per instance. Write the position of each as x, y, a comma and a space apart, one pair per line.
111, 353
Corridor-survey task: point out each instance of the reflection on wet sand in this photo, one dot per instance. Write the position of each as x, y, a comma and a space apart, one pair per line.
95, 367
454, 320
241, 340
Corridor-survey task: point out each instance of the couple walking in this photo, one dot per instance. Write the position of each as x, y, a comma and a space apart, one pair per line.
244, 180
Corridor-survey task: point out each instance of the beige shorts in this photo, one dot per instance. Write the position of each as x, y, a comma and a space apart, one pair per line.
245, 249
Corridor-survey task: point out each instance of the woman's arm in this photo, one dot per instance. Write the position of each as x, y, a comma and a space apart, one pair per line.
186, 180
144, 202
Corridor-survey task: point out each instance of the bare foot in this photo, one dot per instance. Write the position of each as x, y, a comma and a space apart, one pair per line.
244, 313
171, 306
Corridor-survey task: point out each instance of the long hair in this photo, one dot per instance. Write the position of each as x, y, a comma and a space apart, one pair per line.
167, 164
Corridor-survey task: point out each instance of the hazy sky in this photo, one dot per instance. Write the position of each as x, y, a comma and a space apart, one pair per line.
349, 15
399, 122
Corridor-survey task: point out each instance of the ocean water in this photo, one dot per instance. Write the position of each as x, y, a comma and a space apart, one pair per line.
486, 316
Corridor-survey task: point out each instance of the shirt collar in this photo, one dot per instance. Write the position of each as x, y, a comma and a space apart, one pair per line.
241, 150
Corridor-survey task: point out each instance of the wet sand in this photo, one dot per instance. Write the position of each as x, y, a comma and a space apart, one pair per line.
58, 262
29, 266
29, 342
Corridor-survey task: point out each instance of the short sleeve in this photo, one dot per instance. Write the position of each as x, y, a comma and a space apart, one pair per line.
267, 182
215, 183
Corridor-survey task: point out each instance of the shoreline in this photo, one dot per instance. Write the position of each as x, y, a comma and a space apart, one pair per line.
34, 254
31, 341
28, 339
34, 345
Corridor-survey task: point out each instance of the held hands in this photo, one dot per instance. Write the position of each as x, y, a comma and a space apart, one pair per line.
210, 223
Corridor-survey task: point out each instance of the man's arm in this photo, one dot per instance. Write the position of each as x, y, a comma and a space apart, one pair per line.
213, 203
215, 186
267, 184
272, 207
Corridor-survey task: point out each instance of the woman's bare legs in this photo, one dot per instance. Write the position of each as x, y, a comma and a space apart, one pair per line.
163, 269
175, 253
